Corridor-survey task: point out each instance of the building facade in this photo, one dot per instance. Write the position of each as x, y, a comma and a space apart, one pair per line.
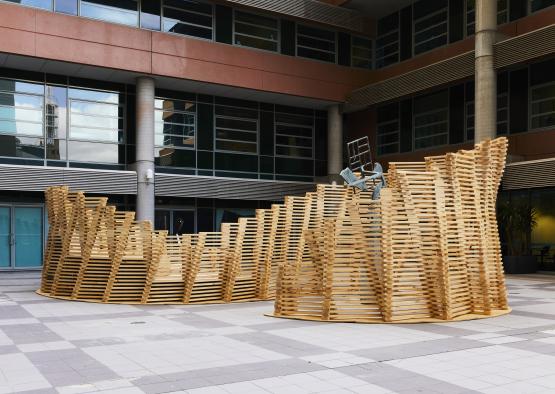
197, 112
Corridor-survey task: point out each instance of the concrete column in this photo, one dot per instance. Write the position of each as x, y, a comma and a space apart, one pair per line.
485, 102
335, 142
145, 148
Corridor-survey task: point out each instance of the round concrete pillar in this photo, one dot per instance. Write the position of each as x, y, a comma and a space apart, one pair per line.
144, 148
335, 142
485, 82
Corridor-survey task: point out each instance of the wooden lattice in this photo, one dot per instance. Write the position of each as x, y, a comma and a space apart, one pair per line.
427, 250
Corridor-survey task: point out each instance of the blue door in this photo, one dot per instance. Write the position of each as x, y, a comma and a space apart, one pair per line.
5, 240
28, 237
21, 236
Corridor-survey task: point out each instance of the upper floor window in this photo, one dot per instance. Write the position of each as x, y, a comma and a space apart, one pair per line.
388, 129
430, 25
174, 123
256, 31
294, 135
188, 17
95, 116
45, 4
387, 42
542, 106
118, 11
316, 43
536, 5
236, 129
361, 52
21, 108
431, 118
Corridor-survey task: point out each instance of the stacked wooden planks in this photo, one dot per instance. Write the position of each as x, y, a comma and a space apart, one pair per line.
427, 250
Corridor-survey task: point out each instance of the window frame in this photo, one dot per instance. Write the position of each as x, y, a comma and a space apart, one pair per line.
297, 25
398, 131
531, 102
372, 54
195, 123
278, 30
415, 21
414, 149
212, 27
257, 132
312, 138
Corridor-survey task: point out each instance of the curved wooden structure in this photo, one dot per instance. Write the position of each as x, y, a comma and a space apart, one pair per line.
427, 250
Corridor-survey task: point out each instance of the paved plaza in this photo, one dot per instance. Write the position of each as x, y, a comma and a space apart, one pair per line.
49, 346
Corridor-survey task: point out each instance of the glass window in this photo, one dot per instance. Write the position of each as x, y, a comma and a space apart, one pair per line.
361, 52
431, 120
387, 41
502, 15
502, 103
542, 105
236, 129
388, 129
117, 11
430, 25
316, 43
22, 147
174, 123
188, 17
294, 136
66, 6
45, 4
150, 14
256, 31
21, 108
536, 5
92, 152
92, 120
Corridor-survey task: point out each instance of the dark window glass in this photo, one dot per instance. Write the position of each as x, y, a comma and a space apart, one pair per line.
536, 5
430, 120
45, 4
430, 25
456, 114
117, 11
266, 133
171, 157
518, 100
56, 149
66, 6
387, 42
236, 129
290, 166
256, 31
542, 106
315, 43
224, 24
23, 147
174, 123
294, 135
388, 129
188, 17
150, 14
405, 33
236, 162
287, 37
205, 160
361, 52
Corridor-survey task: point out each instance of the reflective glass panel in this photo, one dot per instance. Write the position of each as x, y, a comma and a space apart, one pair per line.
256, 31
94, 152
5, 231
117, 11
316, 43
45, 4
28, 236
188, 17
23, 147
431, 120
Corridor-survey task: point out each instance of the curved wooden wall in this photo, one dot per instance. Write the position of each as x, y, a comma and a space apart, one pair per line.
428, 250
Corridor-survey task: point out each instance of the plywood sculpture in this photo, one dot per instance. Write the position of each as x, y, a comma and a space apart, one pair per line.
427, 250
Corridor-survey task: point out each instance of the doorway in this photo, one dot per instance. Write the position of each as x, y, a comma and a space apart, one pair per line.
175, 221
21, 236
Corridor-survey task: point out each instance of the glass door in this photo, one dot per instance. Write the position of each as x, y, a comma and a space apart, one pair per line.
28, 236
5, 237
21, 236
